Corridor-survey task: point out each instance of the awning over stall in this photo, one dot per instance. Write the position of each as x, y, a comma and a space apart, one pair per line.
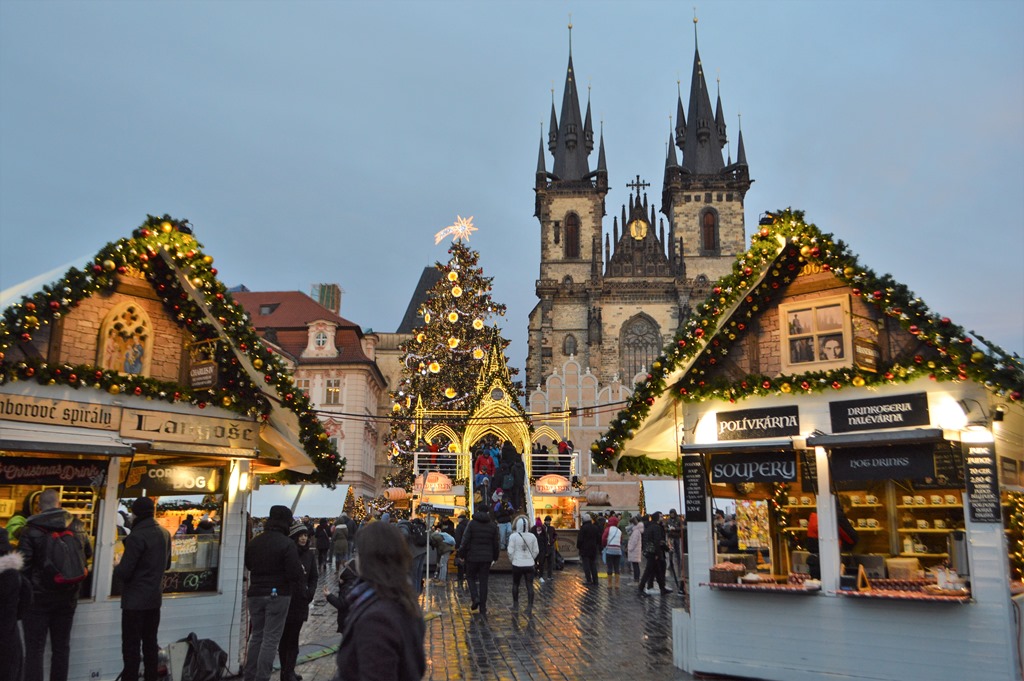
312, 500
663, 495
32, 437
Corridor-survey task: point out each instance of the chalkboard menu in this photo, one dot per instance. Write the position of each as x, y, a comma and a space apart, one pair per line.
695, 489
949, 468
982, 482
808, 471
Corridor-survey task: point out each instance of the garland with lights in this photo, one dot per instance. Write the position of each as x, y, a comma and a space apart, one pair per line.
441, 363
1015, 515
778, 504
166, 254
783, 245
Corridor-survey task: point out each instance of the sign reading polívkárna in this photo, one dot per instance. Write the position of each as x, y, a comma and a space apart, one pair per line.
752, 424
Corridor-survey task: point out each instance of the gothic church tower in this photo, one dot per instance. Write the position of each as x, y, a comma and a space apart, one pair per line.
612, 302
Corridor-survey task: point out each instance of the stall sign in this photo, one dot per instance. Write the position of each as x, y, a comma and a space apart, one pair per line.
756, 467
695, 494
189, 429
982, 482
914, 462
59, 412
202, 375
866, 354
184, 546
23, 470
1008, 471
896, 411
159, 480
749, 424
552, 484
436, 483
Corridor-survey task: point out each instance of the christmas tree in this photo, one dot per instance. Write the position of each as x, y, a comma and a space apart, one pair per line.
443, 359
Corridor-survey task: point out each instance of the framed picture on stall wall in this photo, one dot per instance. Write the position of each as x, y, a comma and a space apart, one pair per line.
816, 334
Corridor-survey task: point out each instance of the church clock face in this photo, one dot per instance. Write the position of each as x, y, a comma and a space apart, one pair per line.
497, 394
638, 229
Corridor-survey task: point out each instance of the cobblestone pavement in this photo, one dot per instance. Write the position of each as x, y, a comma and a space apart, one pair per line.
596, 633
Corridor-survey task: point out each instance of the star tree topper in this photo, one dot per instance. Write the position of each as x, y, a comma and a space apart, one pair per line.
462, 228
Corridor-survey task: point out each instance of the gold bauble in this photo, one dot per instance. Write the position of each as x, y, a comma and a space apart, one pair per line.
258, 363
166, 227
426, 318
420, 337
208, 259
109, 265
226, 401
453, 317
114, 389
456, 291
396, 407
478, 353
453, 343
478, 324
453, 276
434, 367
449, 393
859, 381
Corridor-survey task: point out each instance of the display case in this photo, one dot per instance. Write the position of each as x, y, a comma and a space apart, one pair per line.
926, 523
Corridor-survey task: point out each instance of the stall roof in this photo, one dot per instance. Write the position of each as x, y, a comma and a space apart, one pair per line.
62, 439
888, 437
663, 495
315, 501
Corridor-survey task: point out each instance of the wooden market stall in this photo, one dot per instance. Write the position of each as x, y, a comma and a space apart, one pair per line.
137, 376
809, 395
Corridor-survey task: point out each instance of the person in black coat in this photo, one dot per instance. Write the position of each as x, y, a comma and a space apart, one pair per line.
479, 548
273, 563
303, 592
147, 555
540, 532
588, 541
654, 546
323, 544
15, 595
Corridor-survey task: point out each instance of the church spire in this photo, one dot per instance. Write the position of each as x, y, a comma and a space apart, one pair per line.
670, 159
680, 120
602, 167
571, 149
741, 153
541, 168
720, 118
588, 126
702, 149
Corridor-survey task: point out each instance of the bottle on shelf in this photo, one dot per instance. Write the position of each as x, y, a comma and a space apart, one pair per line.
273, 592
908, 545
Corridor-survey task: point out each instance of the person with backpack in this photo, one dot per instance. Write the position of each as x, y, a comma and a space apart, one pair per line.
147, 555
503, 517
55, 555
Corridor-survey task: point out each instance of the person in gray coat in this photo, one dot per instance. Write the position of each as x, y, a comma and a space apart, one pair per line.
147, 555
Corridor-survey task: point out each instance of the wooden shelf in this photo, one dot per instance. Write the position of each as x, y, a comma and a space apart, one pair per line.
869, 529
794, 529
809, 507
927, 506
930, 530
925, 555
854, 506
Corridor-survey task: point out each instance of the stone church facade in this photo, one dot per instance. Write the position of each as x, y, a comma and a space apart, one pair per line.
610, 300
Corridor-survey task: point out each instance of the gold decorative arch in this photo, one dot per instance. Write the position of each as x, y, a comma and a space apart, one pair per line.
541, 431
444, 430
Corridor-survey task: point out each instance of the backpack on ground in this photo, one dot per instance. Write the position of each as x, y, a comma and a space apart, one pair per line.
204, 661
63, 558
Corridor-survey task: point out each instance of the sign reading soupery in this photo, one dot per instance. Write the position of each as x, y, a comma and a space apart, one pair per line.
23, 470
189, 429
901, 462
756, 467
895, 411
752, 424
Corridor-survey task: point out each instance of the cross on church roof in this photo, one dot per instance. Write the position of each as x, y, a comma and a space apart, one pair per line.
638, 185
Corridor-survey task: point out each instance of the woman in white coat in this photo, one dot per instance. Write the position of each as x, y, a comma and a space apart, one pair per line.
522, 552
633, 549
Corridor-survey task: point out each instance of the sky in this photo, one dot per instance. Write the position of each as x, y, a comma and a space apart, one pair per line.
327, 142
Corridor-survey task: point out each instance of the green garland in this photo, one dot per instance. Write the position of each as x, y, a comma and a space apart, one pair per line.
778, 252
142, 253
1016, 538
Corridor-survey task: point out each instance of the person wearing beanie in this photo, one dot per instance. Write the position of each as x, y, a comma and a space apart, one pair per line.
522, 552
272, 559
147, 555
15, 595
303, 592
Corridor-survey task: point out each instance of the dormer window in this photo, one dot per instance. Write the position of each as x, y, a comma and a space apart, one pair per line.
320, 339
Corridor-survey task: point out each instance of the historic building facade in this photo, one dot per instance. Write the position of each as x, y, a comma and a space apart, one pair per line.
610, 300
335, 365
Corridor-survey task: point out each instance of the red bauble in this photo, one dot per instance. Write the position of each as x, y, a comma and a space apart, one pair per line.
138, 390
877, 295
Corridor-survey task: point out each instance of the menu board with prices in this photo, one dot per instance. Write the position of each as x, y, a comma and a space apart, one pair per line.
982, 482
695, 489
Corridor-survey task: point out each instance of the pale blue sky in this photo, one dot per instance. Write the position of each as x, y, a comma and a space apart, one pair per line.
328, 141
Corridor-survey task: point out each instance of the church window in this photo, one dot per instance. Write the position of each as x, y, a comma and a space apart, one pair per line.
709, 231
569, 345
641, 345
572, 236
558, 231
